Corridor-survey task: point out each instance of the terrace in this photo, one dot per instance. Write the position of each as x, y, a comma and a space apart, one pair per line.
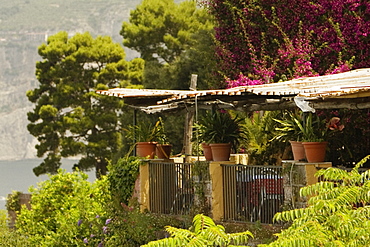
234, 190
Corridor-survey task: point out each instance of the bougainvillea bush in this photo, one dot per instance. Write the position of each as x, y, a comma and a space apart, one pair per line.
266, 40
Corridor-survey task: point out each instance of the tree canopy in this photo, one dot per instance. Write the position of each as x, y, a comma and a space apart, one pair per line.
69, 118
175, 40
163, 30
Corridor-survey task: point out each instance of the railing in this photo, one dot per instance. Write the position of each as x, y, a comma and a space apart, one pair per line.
170, 188
252, 193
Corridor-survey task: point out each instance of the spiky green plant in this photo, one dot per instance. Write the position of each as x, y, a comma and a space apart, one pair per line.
338, 211
262, 146
204, 232
221, 126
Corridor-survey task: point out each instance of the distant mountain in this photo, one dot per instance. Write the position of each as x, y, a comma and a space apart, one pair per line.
24, 25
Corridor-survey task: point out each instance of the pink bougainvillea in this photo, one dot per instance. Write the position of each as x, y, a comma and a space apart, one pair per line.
242, 81
269, 40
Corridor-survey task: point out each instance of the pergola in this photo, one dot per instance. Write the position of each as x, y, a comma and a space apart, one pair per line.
349, 90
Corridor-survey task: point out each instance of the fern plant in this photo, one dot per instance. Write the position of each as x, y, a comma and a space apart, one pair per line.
204, 232
338, 211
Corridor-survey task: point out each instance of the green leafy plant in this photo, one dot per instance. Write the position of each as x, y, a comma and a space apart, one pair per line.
261, 145
337, 213
122, 176
308, 127
12, 202
146, 132
204, 232
289, 126
220, 127
9, 237
131, 227
66, 210
202, 178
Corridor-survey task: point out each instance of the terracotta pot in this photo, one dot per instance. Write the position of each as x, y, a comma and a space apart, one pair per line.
298, 150
315, 151
163, 151
146, 149
220, 151
207, 152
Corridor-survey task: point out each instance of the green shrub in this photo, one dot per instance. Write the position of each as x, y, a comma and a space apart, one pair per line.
204, 232
122, 176
12, 202
66, 210
8, 237
338, 212
130, 227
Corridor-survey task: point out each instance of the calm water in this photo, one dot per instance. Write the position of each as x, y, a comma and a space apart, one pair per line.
18, 175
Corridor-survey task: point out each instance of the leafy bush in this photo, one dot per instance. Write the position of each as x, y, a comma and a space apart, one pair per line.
122, 176
12, 202
338, 212
263, 147
129, 226
204, 232
9, 237
66, 210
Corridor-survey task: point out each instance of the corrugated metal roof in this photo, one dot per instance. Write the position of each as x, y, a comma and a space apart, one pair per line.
352, 84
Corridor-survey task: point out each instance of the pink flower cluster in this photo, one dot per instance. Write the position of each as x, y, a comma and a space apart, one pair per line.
242, 81
277, 40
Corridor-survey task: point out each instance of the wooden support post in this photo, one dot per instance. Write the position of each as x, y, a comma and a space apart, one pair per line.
189, 120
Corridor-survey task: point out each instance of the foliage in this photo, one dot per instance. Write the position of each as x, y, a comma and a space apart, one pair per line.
337, 213
69, 118
163, 28
175, 40
66, 210
132, 228
204, 232
262, 146
312, 127
12, 202
200, 60
122, 176
8, 237
220, 127
201, 181
288, 129
146, 131
129, 226
307, 127
278, 40
348, 145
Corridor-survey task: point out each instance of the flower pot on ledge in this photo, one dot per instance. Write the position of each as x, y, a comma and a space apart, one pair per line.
315, 151
146, 149
207, 151
220, 151
163, 151
297, 150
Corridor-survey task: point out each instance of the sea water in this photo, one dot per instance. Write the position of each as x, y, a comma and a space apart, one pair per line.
18, 176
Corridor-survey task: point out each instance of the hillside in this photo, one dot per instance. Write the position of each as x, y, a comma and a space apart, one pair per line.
24, 25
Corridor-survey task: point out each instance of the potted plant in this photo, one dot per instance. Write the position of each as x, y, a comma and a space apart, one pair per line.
290, 131
163, 148
222, 132
202, 139
315, 132
145, 136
